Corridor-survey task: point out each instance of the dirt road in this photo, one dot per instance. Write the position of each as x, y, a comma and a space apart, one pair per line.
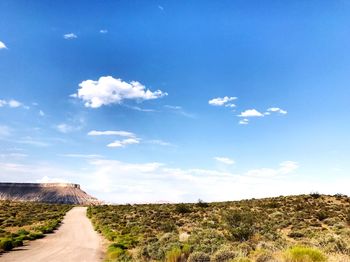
75, 240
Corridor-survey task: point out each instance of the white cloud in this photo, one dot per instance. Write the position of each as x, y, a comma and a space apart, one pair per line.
65, 128
103, 31
251, 113
41, 113
111, 133
244, 121
161, 7
33, 142
12, 103
277, 110
222, 101
108, 90
137, 108
2, 45
225, 160
124, 142
73, 124
179, 110
47, 179
288, 167
89, 156
70, 36
285, 167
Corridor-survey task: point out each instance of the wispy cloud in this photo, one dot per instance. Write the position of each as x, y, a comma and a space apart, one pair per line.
244, 121
108, 90
33, 142
159, 142
179, 110
285, 167
66, 128
111, 133
2, 45
103, 31
276, 110
137, 108
224, 160
88, 156
223, 101
72, 124
12, 103
70, 36
124, 142
160, 7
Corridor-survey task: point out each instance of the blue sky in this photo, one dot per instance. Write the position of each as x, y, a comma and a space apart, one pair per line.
145, 101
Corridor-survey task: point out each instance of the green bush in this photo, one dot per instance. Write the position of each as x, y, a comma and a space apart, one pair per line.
304, 254
315, 195
202, 204
6, 244
182, 208
223, 255
114, 251
240, 224
198, 257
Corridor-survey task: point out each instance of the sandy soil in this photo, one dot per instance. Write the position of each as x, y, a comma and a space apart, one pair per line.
75, 240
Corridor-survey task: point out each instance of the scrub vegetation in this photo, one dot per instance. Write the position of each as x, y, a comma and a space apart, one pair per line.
23, 221
305, 228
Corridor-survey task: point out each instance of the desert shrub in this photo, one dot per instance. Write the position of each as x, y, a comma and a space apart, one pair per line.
198, 257
322, 215
315, 195
296, 234
157, 249
334, 243
6, 244
35, 235
263, 256
202, 204
223, 255
240, 224
182, 208
114, 251
168, 226
173, 255
304, 254
348, 217
17, 242
207, 240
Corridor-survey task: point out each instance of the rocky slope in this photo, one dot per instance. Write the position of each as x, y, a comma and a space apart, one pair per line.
62, 193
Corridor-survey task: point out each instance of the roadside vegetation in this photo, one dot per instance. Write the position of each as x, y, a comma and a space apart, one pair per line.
24, 221
305, 228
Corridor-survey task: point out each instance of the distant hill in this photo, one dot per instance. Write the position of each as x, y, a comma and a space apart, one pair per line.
58, 193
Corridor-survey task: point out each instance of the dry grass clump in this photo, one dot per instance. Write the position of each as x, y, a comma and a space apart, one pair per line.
259, 230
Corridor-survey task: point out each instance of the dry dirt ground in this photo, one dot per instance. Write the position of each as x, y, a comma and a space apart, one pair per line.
75, 240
